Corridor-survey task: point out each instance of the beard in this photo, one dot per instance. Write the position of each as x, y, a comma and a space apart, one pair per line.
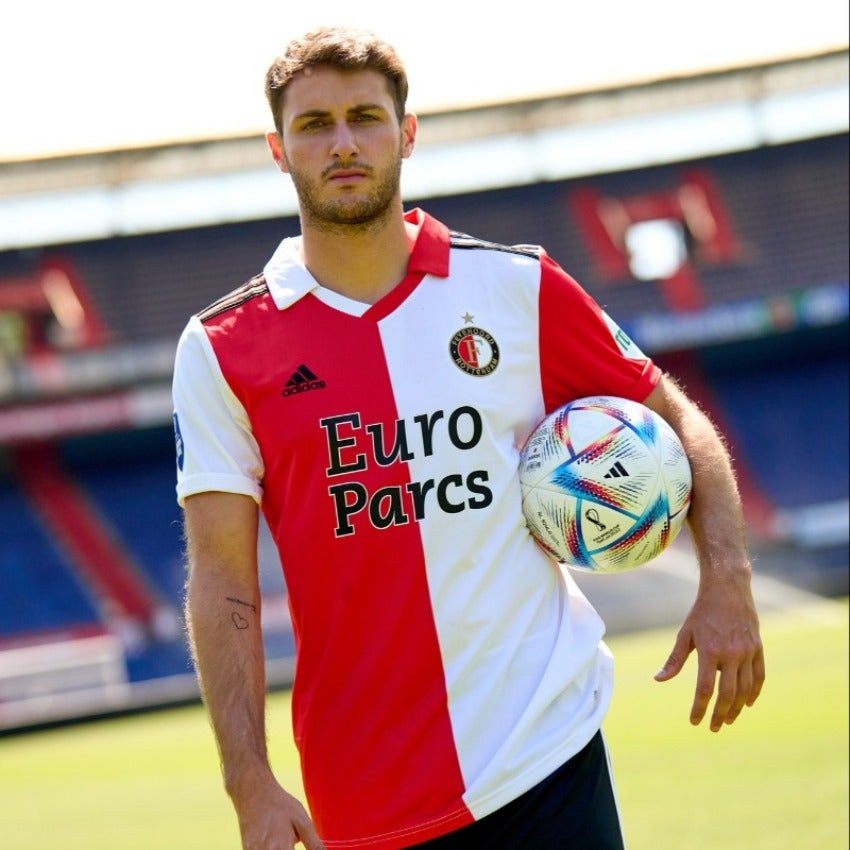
342, 212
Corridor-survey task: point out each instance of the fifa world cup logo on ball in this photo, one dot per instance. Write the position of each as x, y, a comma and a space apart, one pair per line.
592, 515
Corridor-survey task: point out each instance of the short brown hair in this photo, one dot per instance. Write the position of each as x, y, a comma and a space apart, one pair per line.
336, 47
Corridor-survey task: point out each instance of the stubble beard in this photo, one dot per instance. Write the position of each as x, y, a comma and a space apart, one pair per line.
344, 215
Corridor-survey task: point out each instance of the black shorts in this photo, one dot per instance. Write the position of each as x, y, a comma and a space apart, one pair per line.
574, 808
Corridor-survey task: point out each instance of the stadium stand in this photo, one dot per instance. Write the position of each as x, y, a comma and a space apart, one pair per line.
43, 594
82, 534
753, 317
133, 492
787, 205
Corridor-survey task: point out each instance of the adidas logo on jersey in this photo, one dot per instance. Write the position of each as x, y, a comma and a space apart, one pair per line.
302, 381
617, 471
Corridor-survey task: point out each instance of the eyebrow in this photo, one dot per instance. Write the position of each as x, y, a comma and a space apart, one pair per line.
354, 110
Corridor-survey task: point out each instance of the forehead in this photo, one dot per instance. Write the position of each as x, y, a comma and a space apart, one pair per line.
327, 89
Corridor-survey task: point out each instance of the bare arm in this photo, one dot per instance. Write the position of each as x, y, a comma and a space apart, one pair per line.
223, 617
722, 625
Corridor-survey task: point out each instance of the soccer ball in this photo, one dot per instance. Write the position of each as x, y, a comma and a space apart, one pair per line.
606, 484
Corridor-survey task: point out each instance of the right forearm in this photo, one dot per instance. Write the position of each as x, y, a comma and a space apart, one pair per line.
223, 618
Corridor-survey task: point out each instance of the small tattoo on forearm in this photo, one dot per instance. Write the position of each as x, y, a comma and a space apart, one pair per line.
236, 618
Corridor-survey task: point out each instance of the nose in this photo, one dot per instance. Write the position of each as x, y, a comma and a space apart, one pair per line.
344, 144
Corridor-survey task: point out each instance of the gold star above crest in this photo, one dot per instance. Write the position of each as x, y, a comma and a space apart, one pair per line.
467, 318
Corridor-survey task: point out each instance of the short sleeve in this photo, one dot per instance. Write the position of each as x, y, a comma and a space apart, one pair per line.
216, 449
583, 352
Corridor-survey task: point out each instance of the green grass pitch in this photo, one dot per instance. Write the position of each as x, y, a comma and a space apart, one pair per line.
777, 779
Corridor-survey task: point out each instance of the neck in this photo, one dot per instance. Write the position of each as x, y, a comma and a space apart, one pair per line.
361, 261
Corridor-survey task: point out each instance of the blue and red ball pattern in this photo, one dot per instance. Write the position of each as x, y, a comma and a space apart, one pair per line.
606, 484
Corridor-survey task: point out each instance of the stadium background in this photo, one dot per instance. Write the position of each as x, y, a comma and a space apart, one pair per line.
727, 262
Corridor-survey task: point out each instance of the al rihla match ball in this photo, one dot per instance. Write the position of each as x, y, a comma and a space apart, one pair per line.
606, 484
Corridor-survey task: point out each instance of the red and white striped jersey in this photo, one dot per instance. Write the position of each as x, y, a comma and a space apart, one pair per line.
444, 664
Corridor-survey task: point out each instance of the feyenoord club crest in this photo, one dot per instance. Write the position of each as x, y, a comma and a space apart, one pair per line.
474, 351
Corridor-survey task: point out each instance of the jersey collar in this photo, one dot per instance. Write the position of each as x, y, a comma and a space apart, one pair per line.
430, 254
286, 276
288, 279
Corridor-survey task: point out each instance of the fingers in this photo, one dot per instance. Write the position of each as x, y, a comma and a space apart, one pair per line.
311, 842
758, 676
739, 684
280, 823
305, 832
307, 836
742, 692
677, 658
706, 676
736, 673
750, 682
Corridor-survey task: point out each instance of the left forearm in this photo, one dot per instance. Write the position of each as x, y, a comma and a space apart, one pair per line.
715, 517
722, 626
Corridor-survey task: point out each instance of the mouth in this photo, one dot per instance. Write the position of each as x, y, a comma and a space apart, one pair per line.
346, 175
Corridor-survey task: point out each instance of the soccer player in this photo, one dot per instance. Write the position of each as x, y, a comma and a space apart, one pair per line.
370, 390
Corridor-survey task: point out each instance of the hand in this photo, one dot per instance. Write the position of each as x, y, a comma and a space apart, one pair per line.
271, 819
723, 628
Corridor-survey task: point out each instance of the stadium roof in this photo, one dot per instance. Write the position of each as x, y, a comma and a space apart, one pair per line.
214, 181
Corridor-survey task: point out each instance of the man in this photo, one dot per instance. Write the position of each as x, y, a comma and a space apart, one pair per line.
451, 681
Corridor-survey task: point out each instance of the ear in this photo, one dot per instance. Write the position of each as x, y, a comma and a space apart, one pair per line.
275, 143
409, 130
